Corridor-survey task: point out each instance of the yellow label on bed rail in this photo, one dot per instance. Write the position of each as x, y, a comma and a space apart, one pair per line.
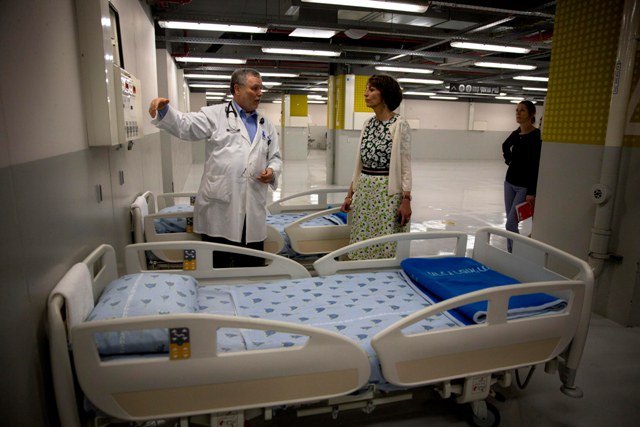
179, 345
189, 262
190, 224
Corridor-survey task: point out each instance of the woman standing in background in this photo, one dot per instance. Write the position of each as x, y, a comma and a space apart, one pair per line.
380, 192
521, 151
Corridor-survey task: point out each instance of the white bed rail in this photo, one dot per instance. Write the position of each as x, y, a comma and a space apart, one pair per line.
533, 260
494, 346
332, 263
101, 264
280, 206
277, 267
314, 240
165, 200
135, 388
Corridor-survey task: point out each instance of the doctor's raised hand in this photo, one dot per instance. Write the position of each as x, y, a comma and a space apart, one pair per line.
157, 104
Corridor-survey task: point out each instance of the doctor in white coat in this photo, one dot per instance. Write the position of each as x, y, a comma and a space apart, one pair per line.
242, 158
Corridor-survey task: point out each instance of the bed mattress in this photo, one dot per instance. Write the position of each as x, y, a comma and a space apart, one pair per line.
355, 305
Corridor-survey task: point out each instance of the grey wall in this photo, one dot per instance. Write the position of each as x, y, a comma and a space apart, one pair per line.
51, 216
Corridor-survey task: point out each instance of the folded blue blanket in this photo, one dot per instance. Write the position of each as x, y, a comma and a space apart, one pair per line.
444, 278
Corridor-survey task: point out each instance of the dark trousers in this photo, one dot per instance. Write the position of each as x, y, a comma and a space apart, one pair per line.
229, 259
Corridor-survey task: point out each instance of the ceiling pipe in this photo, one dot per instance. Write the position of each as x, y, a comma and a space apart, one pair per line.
494, 9
603, 193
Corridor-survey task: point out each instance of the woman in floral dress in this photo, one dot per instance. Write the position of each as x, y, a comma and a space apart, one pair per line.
380, 192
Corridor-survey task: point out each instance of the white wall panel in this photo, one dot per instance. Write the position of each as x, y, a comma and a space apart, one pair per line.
40, 85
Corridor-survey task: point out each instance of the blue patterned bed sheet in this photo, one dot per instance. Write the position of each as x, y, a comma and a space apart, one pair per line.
355, 305
172, 225
280, 221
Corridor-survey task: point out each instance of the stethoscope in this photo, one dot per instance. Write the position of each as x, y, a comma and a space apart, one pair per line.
230, 109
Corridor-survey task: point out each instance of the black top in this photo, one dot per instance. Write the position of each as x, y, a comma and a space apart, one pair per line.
375, 149
522, 154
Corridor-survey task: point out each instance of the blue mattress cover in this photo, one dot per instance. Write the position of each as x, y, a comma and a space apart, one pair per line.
444, 278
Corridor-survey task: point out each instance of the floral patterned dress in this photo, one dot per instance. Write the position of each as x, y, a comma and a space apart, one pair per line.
375, 212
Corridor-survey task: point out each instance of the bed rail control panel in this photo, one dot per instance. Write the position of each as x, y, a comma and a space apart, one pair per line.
179, 344
189, 262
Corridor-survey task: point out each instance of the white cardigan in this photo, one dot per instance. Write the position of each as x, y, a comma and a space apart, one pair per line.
400, 165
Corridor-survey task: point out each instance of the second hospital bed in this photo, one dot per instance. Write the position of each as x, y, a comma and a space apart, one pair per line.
300, 226
461, 360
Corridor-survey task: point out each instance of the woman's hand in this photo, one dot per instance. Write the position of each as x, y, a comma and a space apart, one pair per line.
404, 213
346, 205
531, 199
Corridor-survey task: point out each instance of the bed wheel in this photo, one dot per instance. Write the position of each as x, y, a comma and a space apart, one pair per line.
484, 414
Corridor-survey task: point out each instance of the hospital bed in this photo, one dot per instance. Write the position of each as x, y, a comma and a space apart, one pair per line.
300, 226
462, 360
311, 222
172, 220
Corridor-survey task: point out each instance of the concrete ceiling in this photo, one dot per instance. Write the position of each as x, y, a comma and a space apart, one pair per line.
367, 38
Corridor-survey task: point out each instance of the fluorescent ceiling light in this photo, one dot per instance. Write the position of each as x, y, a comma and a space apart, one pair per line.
419, 93
279, 74
216, 94
490, 47
317, 89
518, 102
446, 98
532, 78
271, 84
511, 98
422, 81
374, 4
210, 60
215, 98
541, 89
313, 34
504, 65
277, 101
492, 24
315, 101
207, 76
403, 69
209, 85
183, 25
300, 51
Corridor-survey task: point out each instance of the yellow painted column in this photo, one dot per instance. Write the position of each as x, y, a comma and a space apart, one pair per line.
581, 74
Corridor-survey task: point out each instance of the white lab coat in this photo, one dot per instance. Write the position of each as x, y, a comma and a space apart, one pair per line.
228, 190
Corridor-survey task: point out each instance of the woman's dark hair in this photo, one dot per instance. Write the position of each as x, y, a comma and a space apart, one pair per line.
239, 77
389, 89
531, 108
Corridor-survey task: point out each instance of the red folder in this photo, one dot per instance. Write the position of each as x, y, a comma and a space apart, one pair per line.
524, 211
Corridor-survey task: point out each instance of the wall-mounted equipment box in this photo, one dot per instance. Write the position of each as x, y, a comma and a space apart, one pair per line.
111, 96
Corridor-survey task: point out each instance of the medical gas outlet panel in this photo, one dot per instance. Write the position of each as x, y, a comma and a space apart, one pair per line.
129, 112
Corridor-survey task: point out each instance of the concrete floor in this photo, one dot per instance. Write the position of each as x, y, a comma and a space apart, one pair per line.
466, 195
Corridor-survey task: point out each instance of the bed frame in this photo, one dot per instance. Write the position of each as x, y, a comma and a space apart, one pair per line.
318, 240
144, 229
315, 199
429, 358
329, 364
